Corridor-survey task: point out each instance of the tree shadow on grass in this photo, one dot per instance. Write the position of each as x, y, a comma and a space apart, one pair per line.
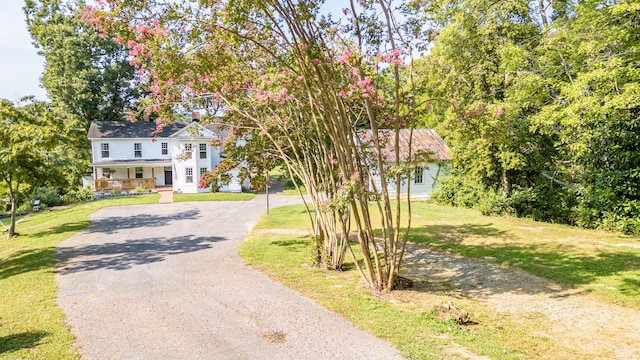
70, 227
302, 242
27, 260
24, 340
127, 254
445, 270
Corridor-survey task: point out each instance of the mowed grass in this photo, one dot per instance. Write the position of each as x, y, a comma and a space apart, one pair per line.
31, 324
605, 265
213, 196
6, 221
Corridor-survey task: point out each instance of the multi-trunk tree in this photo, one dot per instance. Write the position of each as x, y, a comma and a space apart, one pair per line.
306, 83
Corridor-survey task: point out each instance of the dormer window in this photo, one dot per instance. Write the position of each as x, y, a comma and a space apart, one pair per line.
137, 150
105, 150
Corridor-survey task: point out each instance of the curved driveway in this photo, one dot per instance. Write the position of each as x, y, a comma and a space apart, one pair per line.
164, 281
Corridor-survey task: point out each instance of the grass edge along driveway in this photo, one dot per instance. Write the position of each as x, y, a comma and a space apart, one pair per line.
580, 258
32, 326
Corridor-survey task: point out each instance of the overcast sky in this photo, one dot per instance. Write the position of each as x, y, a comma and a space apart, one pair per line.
20, 65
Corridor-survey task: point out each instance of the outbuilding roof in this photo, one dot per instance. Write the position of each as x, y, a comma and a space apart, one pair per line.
422, 140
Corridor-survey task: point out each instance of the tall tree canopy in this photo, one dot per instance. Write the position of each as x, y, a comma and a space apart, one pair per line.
86, 72
541, 97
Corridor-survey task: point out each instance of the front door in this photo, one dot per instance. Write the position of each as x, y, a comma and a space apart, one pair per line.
168, 177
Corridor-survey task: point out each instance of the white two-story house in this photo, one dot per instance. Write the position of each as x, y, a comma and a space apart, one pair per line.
126, 155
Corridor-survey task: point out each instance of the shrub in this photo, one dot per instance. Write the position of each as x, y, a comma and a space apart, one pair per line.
140, 189
599, 210
492, 203
48, 197
79, 194
458, 191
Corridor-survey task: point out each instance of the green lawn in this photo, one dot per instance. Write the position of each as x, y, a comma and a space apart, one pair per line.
408, 319
31, 324
6, 221
213, 196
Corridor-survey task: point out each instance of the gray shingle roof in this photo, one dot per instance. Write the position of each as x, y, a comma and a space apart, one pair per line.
128, 129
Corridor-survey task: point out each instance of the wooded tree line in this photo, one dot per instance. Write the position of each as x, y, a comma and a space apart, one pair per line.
540, 103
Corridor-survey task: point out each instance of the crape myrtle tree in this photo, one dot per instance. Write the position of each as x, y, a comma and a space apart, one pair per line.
306, 83
29, 135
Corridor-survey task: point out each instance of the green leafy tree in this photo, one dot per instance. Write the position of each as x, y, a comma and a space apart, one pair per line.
471, 80
591, 62
86, 73
29, 134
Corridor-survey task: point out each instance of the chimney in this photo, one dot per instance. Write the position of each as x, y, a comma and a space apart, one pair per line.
195, 116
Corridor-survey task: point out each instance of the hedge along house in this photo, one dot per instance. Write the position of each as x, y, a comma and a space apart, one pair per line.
126, 155
431, 159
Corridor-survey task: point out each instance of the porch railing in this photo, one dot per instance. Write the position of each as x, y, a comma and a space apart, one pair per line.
125, 184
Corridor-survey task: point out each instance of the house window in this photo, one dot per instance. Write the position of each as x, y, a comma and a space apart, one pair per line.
417, 175
188, 148
203, 151
188, 172
137, 150
203, 170
165, 148
105, 150
139, 173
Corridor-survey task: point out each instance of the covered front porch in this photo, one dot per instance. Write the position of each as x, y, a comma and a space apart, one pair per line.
130, 174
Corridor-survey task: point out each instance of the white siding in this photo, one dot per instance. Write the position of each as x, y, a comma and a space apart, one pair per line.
123, 149
431, 173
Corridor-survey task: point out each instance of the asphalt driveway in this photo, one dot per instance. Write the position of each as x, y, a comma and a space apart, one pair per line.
164, 281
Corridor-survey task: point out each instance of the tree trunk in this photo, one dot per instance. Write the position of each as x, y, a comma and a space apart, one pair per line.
543, 12
13, 196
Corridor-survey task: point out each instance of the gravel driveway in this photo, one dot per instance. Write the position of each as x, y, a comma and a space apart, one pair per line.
164, 281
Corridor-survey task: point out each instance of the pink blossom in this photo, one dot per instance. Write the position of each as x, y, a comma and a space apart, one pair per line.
396, 52
398, 62
499, 112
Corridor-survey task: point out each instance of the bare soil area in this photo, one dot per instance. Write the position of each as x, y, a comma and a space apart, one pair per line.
573, 323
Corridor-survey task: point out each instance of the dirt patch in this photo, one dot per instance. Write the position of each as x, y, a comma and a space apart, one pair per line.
274, 337
585, 327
